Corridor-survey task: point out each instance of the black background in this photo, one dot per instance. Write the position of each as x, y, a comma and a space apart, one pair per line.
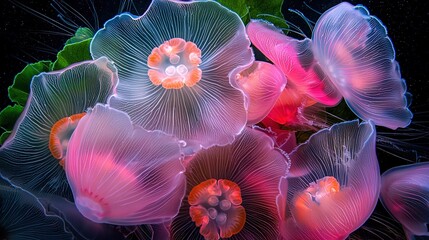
27, 38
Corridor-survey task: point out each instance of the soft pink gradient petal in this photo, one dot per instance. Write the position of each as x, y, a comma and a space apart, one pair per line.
122, 174
262, 83
295, 59
405, 193
346, 151
355, 52
289, 107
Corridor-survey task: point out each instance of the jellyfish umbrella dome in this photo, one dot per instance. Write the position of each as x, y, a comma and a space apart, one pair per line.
177, 64
34, 154
405, 194
122, 174
349, 55
333, 183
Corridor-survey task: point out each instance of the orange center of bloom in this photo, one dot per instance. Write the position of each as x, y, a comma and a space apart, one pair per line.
316, 199
216, 208
174, 64
60, 136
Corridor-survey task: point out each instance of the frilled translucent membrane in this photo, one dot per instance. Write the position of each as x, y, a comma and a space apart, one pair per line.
333, 183
23, 217
122, 174
263, 83
354, 50
60, 135
25, 158
295, 59
205, 112
252, 168
405, 193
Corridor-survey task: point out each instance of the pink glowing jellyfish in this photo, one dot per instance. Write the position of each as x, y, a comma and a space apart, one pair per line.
177, 65
122, 174
262, 83
231, 191
405, 194
349, 55
333, 183
307, 83
34, 155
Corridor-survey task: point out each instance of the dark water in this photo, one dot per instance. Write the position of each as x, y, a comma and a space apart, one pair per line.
26, 38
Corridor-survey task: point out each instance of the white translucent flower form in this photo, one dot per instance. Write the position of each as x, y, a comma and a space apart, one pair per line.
122, 174
355, 52
333, 183
176, 65
33, 156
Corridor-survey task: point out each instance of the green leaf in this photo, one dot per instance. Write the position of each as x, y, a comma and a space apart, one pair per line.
81, 34
4, 136
257, 9
72, 53
18, 92
9, 115
238, 6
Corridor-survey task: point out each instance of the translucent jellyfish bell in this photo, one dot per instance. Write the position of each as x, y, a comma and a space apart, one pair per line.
23, 217
295, 59
349, 55
231, 191
263, 83
176, 65
333, 183
122, 174
34, 154
355, 52
405, 194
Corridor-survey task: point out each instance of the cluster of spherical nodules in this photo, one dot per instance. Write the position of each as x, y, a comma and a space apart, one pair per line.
216, 207
174, 64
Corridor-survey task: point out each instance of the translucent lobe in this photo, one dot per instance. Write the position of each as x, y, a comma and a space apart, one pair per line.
405, 194
263, 83
289, 107
355, 52
79, 226
250, 163
122, 174
284, 139
333, 184
26, 158
296, 60
318, 193
215, 208
60, 136
175, 64
23, 217
208, 112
